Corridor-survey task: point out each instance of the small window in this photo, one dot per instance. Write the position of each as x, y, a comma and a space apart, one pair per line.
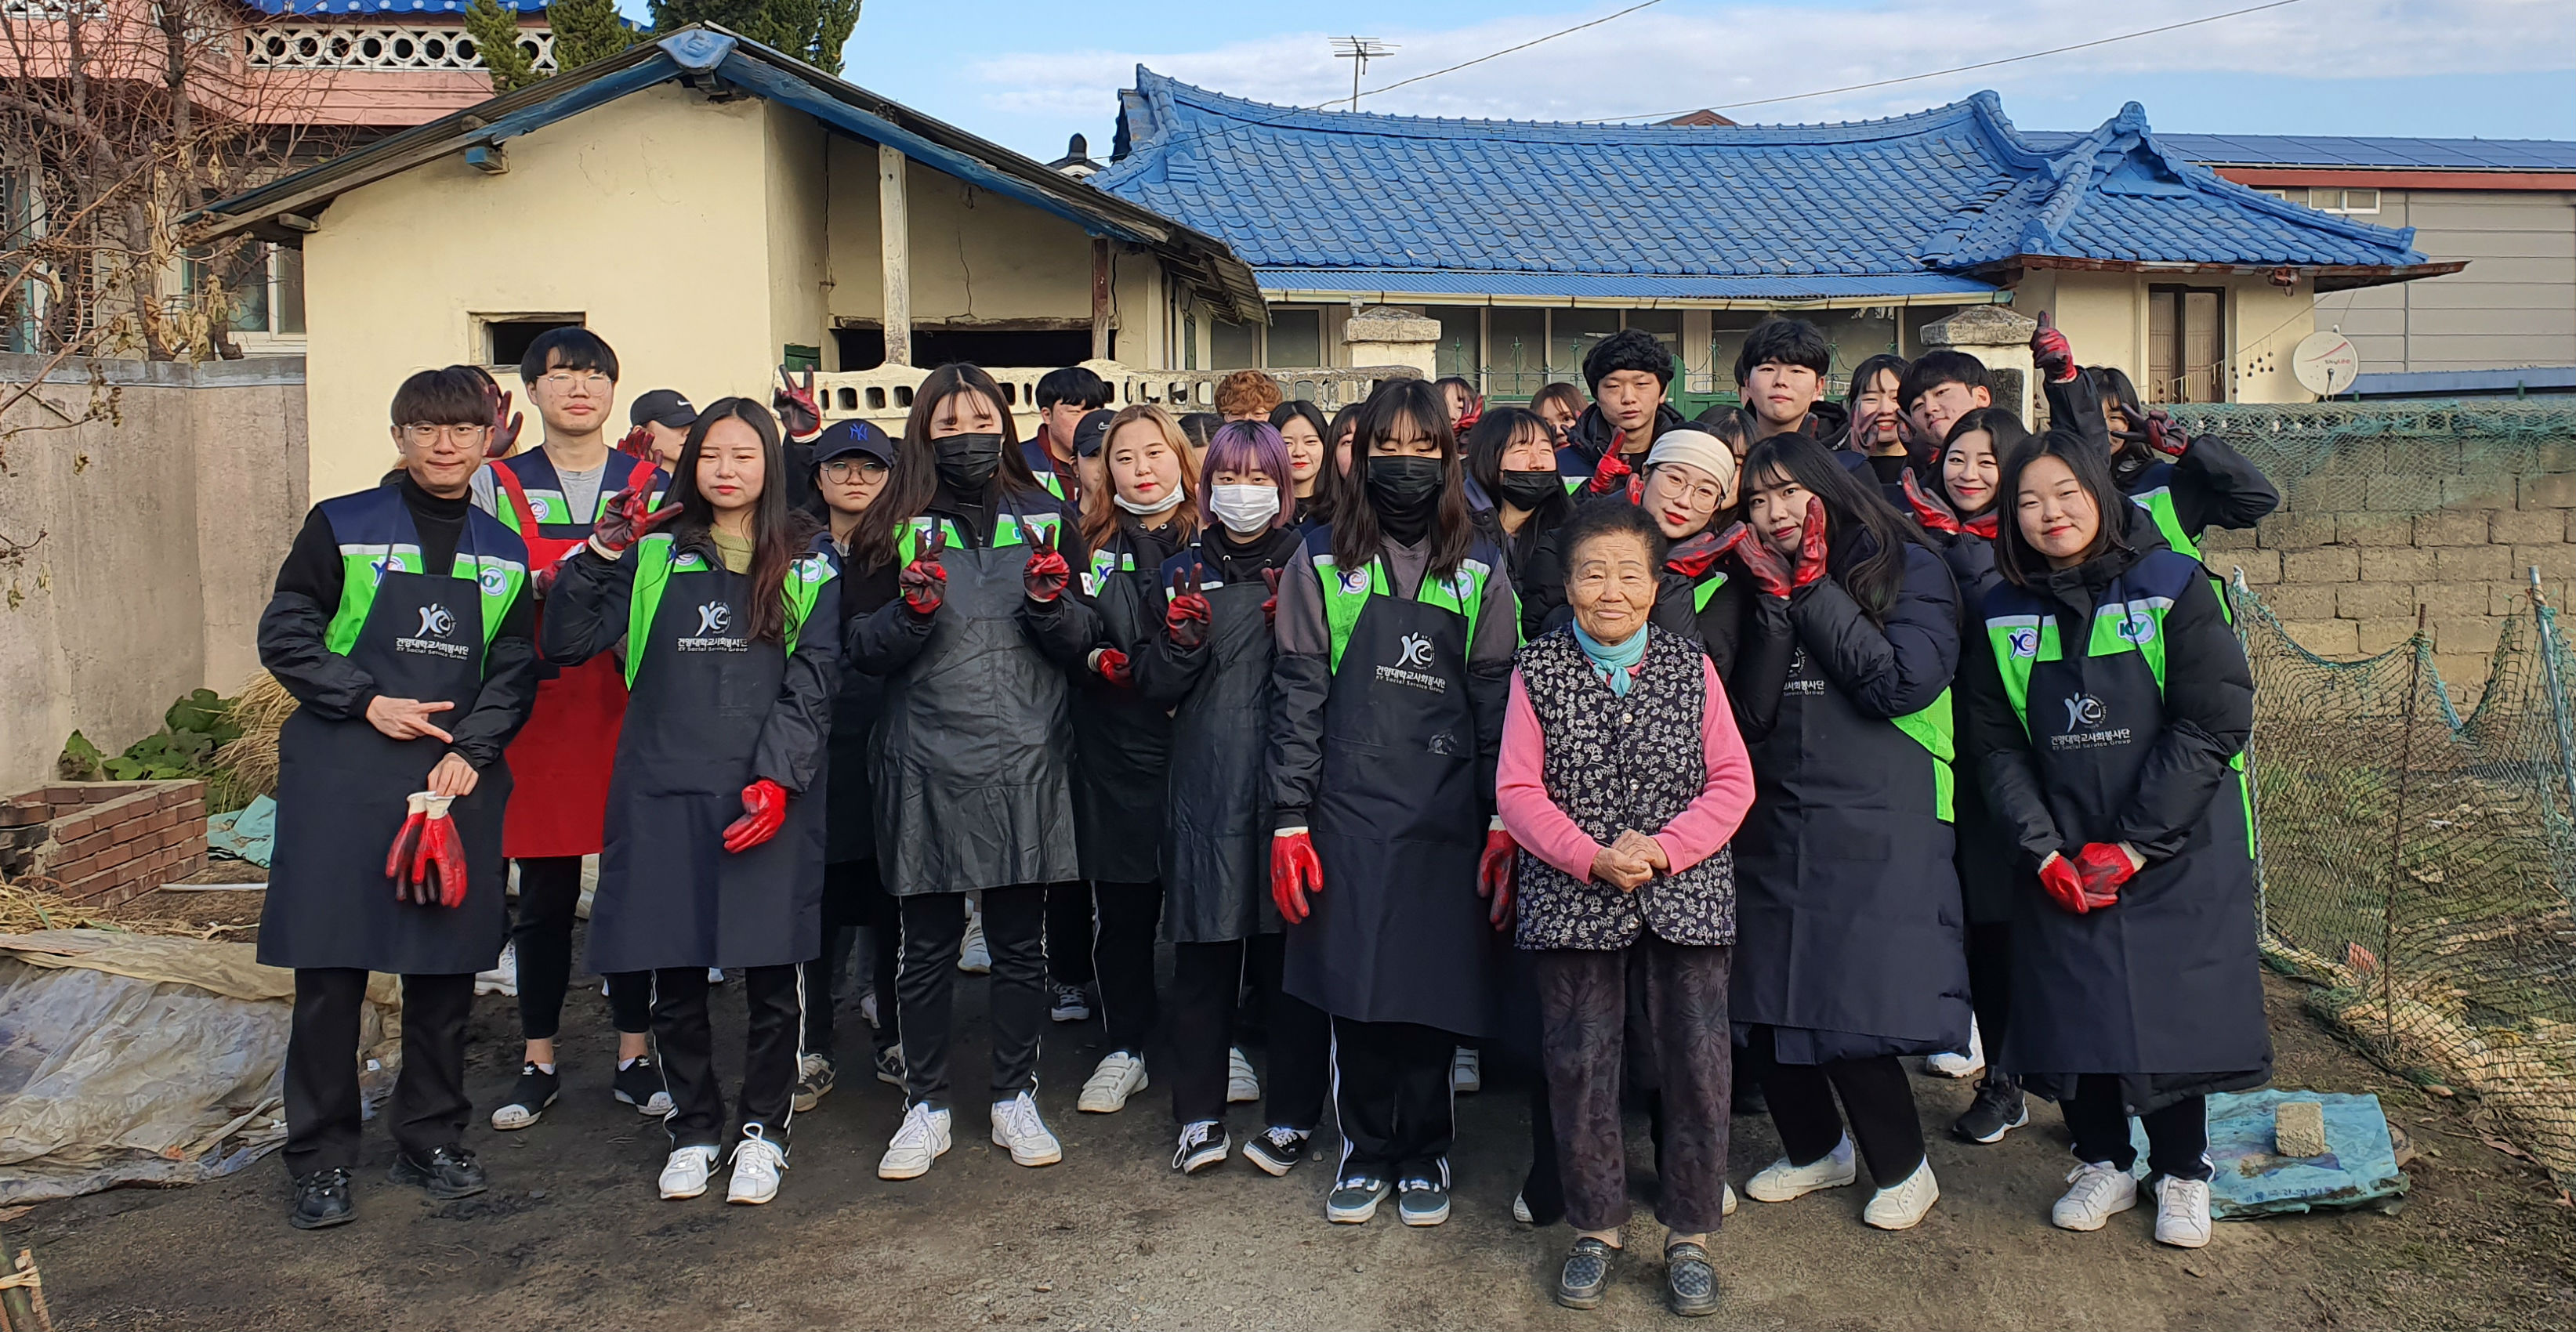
2282, 195
506, 337
1296, 338
2338, 200
1232, 346
1462, 339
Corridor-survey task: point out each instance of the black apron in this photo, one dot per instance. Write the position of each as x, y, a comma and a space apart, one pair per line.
669, 894
974, 764
1216, 859
1122, 744
342, 789
1398, 933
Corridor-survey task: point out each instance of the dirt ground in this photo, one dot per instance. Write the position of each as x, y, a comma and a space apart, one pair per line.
572, 1236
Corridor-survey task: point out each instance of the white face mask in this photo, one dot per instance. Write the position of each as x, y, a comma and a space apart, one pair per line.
1244, 510
1170, 499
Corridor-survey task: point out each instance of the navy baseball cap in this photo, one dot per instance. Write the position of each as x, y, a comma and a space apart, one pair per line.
1091, 432
842, 438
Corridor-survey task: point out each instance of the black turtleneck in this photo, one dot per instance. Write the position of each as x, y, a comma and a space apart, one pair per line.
1241, 561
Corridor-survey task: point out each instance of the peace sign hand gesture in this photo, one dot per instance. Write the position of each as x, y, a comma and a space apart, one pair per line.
1187, 619
924, 582
1047, 572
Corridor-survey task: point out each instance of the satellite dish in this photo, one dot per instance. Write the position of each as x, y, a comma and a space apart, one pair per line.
2326, 363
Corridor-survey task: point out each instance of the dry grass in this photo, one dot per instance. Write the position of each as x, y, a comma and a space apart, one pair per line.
263, 707
32, 905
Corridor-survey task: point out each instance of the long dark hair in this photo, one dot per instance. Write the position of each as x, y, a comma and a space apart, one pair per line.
2129, 452
1357, 539
2004, 433
1862, 374
1872, 570
779, 531
915, 475
1494, 433
2016, 559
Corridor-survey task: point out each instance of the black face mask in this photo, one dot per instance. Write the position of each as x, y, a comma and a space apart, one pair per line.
1405, 487
966, 462
1528, 490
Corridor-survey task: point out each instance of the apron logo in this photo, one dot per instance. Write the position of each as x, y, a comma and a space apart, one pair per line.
2085, 716
493, 580
1414, 650
2024, 642
376, 569
2083, 710
436, 622
713, 617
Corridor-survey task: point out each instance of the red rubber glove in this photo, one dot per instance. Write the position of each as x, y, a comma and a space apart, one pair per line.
406, 845
627, 517
1609, 472
2050, 353
505, 428
438, 866
1187, 619
2165, 435
2103, 867
1494, 874
1932, 511
1270, 608
1294, 872
2064, 886
924, 582
764, 805
1111, 664
1046, 572
638, 443
798, 413
1691, 558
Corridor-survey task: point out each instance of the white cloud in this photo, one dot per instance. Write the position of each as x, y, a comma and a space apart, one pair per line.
1680, 56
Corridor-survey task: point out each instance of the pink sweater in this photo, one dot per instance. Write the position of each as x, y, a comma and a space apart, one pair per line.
1546, 831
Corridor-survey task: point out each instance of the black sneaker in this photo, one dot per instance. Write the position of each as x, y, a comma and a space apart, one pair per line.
1586, 1273
1422, 1202
1354, 1200
1999, 1108
1690, 1281
530, 1097
639, 1084
889, 1064
1747, 1098
322, 1200
1069, 1003
814, 1073
1203, 1144
450, 1172
1276, 1150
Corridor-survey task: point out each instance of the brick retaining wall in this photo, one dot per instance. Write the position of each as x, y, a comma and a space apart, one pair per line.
102, 843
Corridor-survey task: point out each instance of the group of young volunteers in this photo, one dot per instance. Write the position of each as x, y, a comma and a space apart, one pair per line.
1713, 766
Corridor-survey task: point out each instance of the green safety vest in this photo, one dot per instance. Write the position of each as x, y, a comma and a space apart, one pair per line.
1345, 596
1935, 728
496, 578
2159, 505
654, 565
1103, 564
1007, 531
1704, 589
2022, 641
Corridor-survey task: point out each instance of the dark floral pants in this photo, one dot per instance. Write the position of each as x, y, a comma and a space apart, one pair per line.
1583, 1012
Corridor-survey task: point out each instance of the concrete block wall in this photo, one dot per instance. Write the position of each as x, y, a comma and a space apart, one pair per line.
2384, 526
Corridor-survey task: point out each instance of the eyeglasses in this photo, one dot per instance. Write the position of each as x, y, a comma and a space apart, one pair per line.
588, 381
847, 469
1702, 496
421, 434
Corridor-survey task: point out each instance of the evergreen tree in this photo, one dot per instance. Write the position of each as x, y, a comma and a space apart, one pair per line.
587, 30
496, 39
813, 31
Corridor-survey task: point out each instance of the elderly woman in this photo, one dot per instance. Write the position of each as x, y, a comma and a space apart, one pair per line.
1622, 777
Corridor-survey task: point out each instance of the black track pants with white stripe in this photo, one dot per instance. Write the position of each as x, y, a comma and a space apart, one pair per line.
687, 1044
1391, 1092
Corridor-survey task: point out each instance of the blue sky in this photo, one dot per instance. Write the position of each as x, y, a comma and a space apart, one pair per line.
1027, 73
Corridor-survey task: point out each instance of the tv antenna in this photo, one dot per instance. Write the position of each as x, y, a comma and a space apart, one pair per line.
1359, 51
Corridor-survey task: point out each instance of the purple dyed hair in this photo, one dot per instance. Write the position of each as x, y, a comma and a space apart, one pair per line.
1247, 446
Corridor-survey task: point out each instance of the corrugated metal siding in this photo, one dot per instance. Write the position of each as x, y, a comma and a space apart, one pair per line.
2514, 305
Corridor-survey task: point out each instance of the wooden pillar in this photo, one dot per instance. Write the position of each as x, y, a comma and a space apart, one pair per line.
1100, 298
894, 229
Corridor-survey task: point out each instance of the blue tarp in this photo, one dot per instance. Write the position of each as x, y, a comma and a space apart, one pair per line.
244, 834
2359, 1167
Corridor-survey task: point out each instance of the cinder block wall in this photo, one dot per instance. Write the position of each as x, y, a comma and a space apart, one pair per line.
2384, 525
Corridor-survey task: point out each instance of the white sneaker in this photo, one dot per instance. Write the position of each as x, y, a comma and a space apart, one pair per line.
2101, 1191
1241, 1086
503, 978
1780, 1181
1727, 1208
1466, 1070
2182, 1212
685, 1174
756, 1163
1906, 1203
1119, 1076
972, 956
1016, 1125
868, 1009
1521, 1211
1966, 1063
715, 976
921, 1140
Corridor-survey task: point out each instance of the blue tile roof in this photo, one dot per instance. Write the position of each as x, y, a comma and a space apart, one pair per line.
2386, 154
1637, 287
393, 8
1951, 190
